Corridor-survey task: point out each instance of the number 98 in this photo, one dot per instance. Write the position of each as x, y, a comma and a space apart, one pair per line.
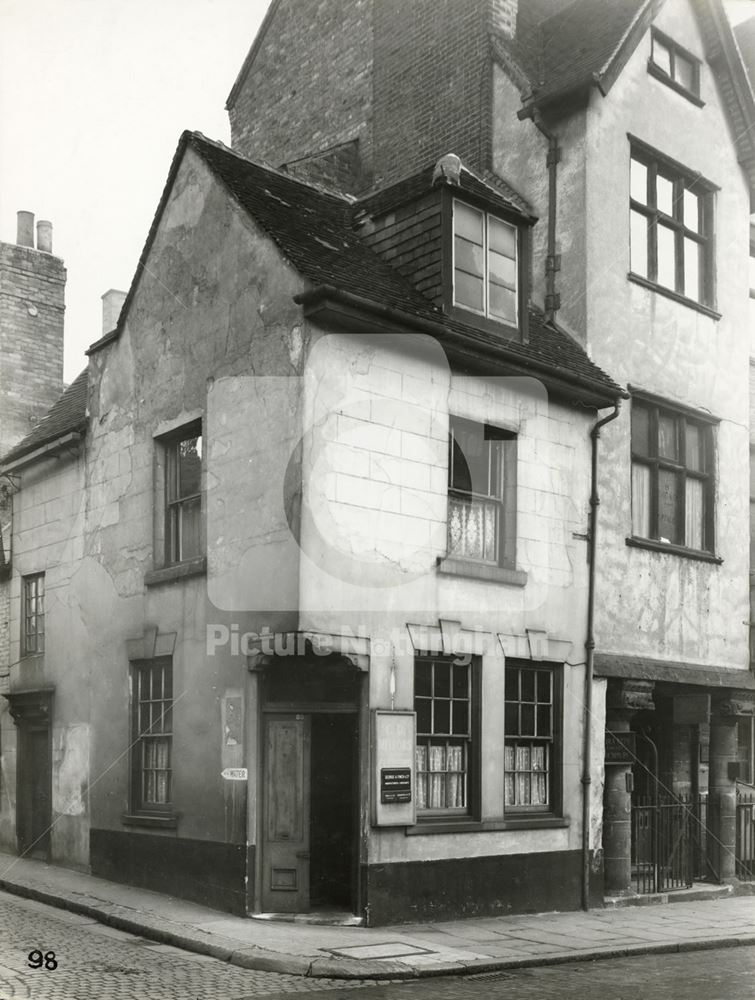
37, 960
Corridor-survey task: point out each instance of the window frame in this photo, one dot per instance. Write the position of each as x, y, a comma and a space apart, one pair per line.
471, 809
682, 179
683, 417
670, 77
139, 804
501, 491
37, 646
510, 218
173, 504
553, 807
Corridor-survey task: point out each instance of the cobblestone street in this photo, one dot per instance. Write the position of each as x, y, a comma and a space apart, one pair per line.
95, 962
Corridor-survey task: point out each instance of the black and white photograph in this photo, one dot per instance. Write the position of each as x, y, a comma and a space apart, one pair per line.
377, 499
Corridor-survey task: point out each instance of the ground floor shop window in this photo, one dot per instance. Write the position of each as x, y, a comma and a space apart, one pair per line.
444, 700
530, 731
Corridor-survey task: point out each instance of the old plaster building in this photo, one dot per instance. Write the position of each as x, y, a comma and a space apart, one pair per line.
330, 619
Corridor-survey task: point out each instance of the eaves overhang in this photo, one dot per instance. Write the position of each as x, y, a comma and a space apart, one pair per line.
50, 449
337, 309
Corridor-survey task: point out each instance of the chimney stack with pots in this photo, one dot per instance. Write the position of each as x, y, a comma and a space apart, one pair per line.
25, 231
44, 236
112, 303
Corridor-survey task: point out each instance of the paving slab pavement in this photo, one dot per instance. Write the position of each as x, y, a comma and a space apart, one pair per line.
401, 951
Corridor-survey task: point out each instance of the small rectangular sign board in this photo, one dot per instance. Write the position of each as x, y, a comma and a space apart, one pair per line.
395, 784
621, 748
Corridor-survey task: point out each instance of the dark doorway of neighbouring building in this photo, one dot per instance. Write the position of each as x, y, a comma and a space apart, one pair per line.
31, 712
332, 811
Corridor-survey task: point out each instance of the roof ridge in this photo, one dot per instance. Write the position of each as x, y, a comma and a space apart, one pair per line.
264, 165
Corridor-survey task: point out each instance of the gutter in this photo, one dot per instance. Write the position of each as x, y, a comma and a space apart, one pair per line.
590, 651
48, 450
322, 294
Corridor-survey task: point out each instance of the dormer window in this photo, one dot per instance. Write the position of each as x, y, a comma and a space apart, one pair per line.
485, 268
675, 66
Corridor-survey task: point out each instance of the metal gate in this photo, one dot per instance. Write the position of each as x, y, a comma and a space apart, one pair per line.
745, 850
668, 842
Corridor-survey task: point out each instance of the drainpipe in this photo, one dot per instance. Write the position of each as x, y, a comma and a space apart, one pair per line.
552, 260
590, 650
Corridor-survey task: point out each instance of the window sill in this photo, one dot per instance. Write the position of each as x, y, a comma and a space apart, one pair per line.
452, 566
180, 571
511, 331
675, 296
520, 822
676, 550
163, 821
659, 74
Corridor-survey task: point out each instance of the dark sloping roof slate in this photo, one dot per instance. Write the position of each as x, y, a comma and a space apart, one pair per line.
66, 416
313, 231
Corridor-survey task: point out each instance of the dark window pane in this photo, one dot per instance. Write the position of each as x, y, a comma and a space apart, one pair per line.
528, 685
667, 437
472, 453
461, 681
423, 679
692, 269
512, 685
668, 518
544, 685
661, 56
511, 721
460, 718
528, 720
684, 72
442, 687
544, 720
423, 710
190, 529
640, 430
442, 720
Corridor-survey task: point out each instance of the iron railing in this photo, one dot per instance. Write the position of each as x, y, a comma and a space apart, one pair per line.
668, 842
745, 847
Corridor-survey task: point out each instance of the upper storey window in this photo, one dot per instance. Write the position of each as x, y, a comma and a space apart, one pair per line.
485, 264
671, 225
183, 497
675, 66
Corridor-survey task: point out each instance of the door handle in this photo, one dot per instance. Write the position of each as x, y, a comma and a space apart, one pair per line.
303, 855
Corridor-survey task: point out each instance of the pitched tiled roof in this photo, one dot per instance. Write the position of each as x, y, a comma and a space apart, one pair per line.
66, 416
313, 231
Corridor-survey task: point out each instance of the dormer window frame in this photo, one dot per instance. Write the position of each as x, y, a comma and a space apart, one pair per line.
677, 56
521, 225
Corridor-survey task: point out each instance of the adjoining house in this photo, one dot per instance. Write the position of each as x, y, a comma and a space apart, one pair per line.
389, 553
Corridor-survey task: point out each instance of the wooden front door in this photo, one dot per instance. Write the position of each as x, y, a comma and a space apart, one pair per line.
34, 796
285, 846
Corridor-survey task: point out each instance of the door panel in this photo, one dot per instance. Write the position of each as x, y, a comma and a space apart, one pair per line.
285, 848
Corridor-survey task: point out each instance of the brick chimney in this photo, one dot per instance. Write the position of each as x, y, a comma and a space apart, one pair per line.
32, 305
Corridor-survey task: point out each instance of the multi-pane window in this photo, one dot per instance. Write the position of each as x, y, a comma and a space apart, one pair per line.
33, 614
183, 497
670, 227
672, 480
485, 264
443, 703
152, 711
479, 463
674, 65
529, 738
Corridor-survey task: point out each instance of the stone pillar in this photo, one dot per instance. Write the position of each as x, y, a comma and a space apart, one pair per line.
727, 708
624, 698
